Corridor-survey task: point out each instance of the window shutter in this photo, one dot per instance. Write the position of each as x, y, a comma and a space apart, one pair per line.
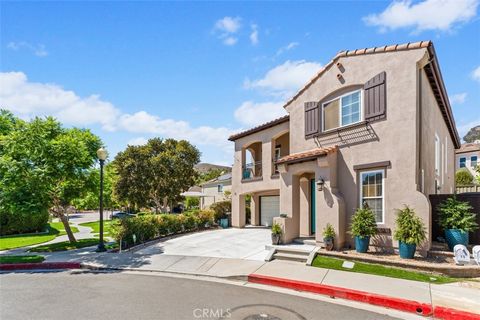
375, 96
312, 118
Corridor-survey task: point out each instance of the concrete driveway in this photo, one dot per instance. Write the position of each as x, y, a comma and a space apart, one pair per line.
247, 243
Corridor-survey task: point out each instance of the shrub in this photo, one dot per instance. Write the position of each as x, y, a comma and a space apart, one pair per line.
363, 223
221, 208
463, 177
205, 217
190, 221
454, 214
410, 227
23, 222
192, 202
276, 228
328, 232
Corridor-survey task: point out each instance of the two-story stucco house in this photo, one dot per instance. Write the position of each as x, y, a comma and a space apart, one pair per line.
373, 126
468, 157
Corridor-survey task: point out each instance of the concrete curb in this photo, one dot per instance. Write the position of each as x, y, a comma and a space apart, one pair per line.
40, 266
424, 309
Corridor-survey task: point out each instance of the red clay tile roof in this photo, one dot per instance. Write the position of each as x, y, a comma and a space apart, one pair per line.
306, 155
468, 147
261, 127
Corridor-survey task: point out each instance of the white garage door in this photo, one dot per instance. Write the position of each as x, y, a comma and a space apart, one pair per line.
269, 208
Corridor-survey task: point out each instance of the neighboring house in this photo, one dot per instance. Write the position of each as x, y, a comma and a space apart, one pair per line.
373, 126
214, 190
468, 157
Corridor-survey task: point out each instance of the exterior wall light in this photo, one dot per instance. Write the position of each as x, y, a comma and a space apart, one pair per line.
320, 184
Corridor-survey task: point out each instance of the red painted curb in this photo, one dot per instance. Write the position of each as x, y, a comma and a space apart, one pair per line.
453, 314
40, 266
424, 309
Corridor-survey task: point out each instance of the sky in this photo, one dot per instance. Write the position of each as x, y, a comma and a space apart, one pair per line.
200, 71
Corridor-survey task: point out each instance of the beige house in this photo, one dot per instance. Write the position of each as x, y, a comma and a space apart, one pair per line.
373, 126
216, 190
468, 157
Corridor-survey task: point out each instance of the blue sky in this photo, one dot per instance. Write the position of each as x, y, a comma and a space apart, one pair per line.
201, 71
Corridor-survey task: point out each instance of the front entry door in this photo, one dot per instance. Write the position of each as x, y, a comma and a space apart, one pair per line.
312, 206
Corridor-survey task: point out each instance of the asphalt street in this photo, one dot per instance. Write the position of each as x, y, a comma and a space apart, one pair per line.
80, 295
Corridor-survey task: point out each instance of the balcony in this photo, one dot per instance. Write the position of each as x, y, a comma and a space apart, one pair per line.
252, 171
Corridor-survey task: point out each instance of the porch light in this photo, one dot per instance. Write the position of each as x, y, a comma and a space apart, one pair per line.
320, 183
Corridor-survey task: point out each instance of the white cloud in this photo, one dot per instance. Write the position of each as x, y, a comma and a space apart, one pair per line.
38, 50
289, 46
139, 141
226, 28
458, 98
476, 74
251, 113
254, 34
283, 80
440, 15
28, 99
230, 41
228, 24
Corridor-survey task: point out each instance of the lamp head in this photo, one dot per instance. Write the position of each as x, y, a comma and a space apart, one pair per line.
102, 154
320, 184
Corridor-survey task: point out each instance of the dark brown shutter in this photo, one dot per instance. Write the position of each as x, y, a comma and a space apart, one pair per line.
312, 118
375, 96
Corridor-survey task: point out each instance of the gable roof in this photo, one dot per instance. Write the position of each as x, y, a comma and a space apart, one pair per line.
431, 69
227, 177
306, 155
468, 147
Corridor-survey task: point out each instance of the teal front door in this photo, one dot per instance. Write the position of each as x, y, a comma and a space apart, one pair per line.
312, 206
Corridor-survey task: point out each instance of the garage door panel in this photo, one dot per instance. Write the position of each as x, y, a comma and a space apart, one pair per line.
269, 208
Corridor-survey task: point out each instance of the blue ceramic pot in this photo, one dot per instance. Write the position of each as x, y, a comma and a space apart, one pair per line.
407, 251
224, 223
361, 244
456, 236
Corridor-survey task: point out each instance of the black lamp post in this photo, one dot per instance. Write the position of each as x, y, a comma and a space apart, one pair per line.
102, 155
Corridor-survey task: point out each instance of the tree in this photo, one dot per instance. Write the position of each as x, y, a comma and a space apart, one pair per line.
44, 166
472, 135
156, 173
463, 177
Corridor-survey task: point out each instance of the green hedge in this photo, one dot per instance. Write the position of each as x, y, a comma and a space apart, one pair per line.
151, 226
22, 222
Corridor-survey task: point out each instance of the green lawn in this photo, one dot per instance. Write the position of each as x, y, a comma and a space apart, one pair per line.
65, 245
20, 259
16, 241
379, 270
95, 225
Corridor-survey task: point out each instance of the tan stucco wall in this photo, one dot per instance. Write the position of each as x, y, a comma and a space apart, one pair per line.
212, 194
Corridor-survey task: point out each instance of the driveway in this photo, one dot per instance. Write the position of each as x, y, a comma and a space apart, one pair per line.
247, 243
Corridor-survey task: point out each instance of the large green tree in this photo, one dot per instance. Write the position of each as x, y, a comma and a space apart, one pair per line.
156, 173
44, 166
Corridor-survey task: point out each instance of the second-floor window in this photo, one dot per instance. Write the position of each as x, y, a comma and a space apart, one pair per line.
342, 111
473, 161
220, 188
463, 162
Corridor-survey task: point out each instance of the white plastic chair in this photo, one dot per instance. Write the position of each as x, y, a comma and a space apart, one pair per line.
476, 254
462, 256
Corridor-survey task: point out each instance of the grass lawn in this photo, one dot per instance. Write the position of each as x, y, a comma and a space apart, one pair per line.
95, 225
55, 229
379, 270
65, 245
20, 259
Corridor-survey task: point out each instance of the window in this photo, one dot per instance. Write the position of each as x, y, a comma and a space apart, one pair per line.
463, 162
473, 161
437, 155
372, 192
220, 187
277, 156
342, 111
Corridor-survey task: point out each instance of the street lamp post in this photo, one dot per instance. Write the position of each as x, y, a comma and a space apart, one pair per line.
102, 155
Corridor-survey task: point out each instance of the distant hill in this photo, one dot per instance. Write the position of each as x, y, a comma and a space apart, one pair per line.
472, 134
206, 167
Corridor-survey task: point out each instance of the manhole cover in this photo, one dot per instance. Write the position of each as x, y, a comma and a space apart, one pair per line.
263, 312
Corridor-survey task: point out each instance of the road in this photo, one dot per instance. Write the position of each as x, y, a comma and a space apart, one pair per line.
86, 295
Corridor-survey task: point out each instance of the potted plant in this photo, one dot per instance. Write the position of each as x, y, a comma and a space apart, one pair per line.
328, 237
276, 233
409, 233
363, 227
457, 220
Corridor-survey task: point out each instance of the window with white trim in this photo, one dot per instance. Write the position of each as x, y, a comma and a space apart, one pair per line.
473, 161
372, 187
220, 188
342, 111
463, 162
437, 155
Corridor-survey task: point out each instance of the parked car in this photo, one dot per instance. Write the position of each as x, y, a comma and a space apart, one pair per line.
121, 215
